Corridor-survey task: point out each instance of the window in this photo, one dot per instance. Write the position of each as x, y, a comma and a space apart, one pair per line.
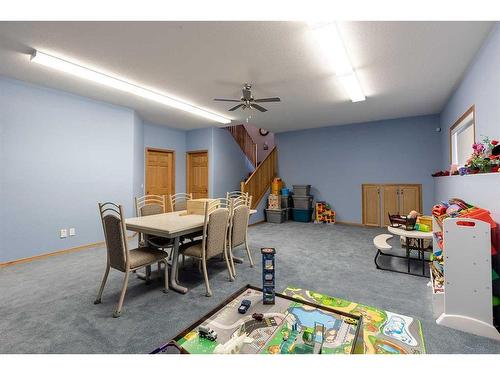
462, 136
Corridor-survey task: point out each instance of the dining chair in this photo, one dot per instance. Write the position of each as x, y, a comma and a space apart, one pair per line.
153, 205
178, 202
236, 194
214, 238
119, 256
238, 228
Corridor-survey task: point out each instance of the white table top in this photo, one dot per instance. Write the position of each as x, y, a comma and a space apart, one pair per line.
409, 233
170, 225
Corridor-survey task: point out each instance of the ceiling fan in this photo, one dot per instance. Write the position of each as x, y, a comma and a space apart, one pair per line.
248, 101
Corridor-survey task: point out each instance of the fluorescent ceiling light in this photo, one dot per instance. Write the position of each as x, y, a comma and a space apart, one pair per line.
119, 84
330, 42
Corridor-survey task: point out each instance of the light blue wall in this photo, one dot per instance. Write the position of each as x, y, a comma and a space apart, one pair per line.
481, 87
62, 154
138, 160
336, 160
230, 166
158, 136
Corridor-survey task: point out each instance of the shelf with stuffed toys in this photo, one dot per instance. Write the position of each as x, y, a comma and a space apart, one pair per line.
464, 279
485, 158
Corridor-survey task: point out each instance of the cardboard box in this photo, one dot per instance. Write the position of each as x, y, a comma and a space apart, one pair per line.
197, 206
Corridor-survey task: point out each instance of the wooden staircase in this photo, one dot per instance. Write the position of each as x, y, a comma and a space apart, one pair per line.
260, 180
245, 142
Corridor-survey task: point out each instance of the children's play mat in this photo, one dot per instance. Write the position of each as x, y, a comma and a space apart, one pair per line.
384, 332
299, 322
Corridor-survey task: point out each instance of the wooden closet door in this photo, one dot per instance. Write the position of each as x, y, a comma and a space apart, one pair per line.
160, 172
409, 199
197, 174
390, 202
371, 205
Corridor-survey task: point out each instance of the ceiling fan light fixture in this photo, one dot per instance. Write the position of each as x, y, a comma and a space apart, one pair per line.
329, 41
122, 85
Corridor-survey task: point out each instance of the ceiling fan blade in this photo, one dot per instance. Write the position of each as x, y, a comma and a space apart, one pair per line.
268, 100
227, 100
258, 107
236, 107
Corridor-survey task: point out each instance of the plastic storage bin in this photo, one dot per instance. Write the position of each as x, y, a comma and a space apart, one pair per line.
303, 202
301, 189
286, 202
276, 216
304, 216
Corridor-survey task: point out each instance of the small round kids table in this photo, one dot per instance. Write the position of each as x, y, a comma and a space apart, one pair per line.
418, 238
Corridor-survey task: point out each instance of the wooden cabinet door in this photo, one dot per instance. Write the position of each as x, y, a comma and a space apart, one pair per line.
371, 205
160, 172
409, 199
197, 174
390, 202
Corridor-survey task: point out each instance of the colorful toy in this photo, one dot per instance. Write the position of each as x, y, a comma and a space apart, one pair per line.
207, 333
274, 202
268, 284
290, 326
438, 210
245, 305
324, 213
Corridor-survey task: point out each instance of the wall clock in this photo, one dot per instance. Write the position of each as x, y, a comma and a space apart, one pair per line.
263, 132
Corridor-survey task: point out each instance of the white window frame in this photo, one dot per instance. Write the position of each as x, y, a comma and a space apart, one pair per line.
463, 123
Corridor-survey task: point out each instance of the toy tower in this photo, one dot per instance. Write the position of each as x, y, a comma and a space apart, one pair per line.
268, 267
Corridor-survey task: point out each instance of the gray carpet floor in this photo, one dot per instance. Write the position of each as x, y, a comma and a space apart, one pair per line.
46, 306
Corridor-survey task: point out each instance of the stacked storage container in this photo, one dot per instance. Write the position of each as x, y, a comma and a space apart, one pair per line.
302, 203
286, 202
275, 213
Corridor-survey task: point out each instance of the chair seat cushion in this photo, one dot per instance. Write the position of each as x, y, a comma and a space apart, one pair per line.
192, 249
144, 256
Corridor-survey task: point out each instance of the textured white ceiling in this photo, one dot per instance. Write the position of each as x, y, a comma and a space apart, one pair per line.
405, 68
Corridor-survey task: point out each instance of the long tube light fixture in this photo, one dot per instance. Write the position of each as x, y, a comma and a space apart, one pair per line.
329, 40
121, 85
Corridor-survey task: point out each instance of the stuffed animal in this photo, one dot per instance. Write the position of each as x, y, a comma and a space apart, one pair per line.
413, 214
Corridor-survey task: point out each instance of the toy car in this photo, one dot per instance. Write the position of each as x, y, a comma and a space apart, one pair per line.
350, 321
258, 316
207, 333
245, 305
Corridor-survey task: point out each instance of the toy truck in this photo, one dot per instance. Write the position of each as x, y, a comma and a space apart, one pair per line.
207, 333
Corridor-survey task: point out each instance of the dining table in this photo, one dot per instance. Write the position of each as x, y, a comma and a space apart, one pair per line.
171, 225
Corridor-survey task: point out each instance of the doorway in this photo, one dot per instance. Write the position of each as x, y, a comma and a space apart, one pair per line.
160, 171
197, 173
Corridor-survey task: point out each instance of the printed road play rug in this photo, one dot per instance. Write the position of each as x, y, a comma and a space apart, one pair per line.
384, 332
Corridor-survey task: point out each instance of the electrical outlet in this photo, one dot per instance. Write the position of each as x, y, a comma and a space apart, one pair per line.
63, 233
72, 231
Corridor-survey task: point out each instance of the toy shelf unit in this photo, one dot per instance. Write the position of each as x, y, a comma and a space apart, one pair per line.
462, 294
268, 275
